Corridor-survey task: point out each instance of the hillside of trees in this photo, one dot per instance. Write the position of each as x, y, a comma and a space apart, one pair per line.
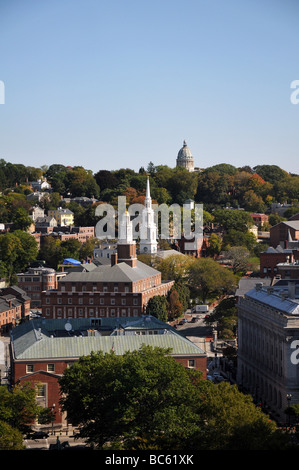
223, 185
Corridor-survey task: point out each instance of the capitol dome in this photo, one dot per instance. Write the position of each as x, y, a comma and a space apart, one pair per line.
185, 158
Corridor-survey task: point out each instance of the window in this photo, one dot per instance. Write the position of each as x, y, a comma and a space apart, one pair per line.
41, 390
29, 368
101, 301
112, 301
91, 301
191, 363
59, 300
70, 300
51, 367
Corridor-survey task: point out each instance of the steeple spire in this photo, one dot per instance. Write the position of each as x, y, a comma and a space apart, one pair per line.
148, 200
148, 229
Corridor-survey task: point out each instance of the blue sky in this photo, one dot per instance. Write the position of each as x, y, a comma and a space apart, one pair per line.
119, 83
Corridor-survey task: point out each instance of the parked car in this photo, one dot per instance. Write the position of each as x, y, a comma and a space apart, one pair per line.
194, 319
38, 435
183, 321
216, 375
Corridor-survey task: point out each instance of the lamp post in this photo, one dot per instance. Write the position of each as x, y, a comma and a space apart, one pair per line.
53, 417
289, 398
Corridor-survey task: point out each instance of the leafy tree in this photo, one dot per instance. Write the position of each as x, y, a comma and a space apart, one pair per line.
21, 220
173, 267
17, 250
50, 251
18, 407
10, 438
208, 278
231, 421
146, 400
215, 245
232, 219
239, 258
141, 393
239, 238
157, 306
175, 305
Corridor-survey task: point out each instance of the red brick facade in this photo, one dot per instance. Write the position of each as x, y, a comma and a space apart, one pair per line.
91, 295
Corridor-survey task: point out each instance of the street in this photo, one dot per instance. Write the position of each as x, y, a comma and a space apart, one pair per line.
64, 443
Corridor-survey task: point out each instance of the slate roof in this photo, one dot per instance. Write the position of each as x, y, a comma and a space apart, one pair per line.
288, 305
120, 272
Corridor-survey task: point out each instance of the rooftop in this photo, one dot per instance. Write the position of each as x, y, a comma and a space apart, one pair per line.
72, 338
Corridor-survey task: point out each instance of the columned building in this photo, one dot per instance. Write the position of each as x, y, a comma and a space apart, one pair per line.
268, 337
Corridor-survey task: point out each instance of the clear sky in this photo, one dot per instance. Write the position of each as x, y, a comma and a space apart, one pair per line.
111, 84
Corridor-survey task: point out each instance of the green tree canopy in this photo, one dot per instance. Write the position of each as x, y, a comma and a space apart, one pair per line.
208, 278
146, 400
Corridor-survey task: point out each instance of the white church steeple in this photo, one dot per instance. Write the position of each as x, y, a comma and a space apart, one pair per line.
148, 229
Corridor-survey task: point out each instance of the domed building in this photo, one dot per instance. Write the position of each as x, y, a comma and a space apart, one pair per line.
185, 158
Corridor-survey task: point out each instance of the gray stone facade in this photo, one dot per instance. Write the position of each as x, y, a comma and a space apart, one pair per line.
268, 335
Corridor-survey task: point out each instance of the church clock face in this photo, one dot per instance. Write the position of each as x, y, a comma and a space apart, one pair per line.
145, 249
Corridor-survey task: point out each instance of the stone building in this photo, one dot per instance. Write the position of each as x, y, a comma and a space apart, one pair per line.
185, 158
268, 335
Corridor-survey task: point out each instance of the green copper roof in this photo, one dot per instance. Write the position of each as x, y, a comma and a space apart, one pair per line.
52, 339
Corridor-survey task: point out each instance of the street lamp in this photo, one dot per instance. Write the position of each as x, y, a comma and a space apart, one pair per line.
53, 417
289, 398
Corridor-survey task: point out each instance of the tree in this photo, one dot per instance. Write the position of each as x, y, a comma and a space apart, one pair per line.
146, 400
18, 407
215, 245
17, 250
174, 267
129, 397
231, 421
208, 278
10, 438
21, 219
157, 306
175, 305
239, 258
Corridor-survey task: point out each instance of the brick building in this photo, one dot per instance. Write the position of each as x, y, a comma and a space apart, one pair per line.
42, 349
14, 306
284, 232
119, 289
36, 280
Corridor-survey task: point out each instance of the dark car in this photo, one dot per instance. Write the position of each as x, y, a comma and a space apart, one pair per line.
38, 435
194, 319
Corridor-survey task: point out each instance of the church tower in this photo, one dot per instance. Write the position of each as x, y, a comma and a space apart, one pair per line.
148, 228
185, 158
126, 246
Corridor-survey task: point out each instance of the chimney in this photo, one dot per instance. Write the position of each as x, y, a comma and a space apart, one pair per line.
113, 259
